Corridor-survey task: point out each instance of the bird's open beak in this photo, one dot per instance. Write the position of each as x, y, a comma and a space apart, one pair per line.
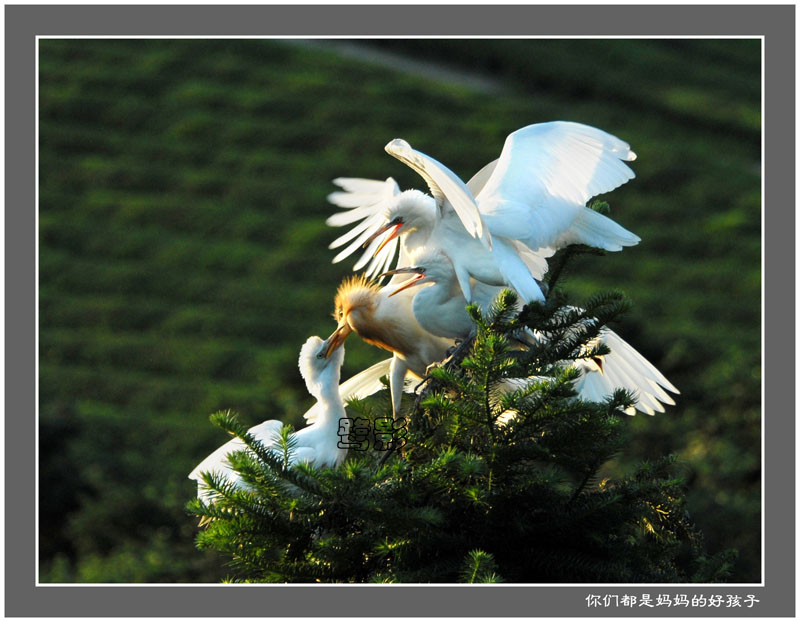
419, 274
395, 232
337, 338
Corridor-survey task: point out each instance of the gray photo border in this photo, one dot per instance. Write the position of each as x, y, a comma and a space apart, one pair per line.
24, 23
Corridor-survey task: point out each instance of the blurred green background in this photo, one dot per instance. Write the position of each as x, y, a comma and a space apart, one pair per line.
183, 253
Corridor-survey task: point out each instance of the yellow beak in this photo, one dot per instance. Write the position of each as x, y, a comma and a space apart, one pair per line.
395, 232
337, 338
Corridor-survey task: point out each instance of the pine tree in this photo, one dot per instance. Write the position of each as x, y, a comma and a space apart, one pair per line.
498, 479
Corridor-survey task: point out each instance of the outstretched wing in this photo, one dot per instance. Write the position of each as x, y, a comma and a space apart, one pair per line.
445, 186
479, 179
364, 200
624, 368
217, 461
545, 175
361, 385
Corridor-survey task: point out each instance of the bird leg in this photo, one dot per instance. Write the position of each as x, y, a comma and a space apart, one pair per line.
460, 351
397, 376
452, 349
448, 355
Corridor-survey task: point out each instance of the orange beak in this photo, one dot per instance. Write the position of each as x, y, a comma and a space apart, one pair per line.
395, 232
337, 338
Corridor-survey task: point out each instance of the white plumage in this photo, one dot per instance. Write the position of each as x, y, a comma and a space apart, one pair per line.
500, 226
439, 307
317, 443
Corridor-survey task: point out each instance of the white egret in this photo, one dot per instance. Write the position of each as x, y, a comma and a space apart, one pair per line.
414, 218
388, 322
518, 208
316, 443
440, 308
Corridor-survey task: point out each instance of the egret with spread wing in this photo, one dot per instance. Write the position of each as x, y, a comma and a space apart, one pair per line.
440, 308
513, 213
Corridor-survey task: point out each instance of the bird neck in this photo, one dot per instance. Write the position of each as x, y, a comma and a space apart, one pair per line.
330, 402
417, 237
434, 295
445, 288
440, 310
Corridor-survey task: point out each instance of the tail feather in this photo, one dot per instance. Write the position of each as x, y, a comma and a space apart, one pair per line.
594, 229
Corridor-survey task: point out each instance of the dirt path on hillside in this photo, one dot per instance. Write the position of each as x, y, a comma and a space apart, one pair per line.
437, 72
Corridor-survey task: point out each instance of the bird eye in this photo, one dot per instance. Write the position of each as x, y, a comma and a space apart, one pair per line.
397, 221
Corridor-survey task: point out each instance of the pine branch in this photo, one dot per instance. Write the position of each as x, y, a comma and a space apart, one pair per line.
500, 470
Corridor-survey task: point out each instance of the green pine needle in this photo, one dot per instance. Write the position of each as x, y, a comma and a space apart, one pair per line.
504, 476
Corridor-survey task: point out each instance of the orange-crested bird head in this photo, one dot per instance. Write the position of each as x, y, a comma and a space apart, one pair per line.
355, 294
355, 302
357, 310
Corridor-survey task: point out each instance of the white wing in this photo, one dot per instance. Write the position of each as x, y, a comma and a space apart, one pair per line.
624, 368
480, 178
517, 272
364, 200
535, 260
361, 385
545, 175
217, 461
445, 186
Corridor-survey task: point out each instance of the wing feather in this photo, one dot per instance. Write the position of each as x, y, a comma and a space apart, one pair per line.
358, 242
552, 170
366, 200
345, 218
635, 360
445, 186
382, 261
480, 178
367, 223
623, 367
217, 461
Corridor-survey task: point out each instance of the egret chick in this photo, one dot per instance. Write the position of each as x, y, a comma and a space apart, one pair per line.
441, 308
316, 444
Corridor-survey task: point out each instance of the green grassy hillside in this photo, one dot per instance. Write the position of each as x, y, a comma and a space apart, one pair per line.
183, 255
